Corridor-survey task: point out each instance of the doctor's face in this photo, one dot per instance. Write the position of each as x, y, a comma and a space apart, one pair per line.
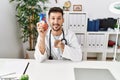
56, 21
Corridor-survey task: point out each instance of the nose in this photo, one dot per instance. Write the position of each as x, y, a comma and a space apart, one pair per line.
56, 21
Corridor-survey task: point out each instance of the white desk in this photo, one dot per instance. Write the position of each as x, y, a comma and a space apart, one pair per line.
64, 70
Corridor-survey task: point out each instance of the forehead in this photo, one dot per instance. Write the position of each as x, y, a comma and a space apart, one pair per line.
55, 14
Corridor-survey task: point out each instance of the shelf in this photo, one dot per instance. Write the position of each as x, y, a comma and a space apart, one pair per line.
95, 42
110, 50
106, 32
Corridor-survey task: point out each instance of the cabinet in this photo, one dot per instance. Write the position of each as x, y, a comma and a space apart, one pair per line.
115, 50
76, 21
92, 43
96, 43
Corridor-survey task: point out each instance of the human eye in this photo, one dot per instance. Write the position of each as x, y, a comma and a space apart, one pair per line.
53, 18
59, 18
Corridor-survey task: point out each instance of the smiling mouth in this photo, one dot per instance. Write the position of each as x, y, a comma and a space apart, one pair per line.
56, 27
55, 24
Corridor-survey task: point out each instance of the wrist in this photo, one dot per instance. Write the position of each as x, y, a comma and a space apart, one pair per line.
41, 48
42, 38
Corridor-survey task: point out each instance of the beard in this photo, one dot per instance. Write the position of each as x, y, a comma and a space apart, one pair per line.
57, 27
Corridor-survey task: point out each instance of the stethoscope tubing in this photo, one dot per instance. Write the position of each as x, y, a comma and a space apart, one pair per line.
63, 39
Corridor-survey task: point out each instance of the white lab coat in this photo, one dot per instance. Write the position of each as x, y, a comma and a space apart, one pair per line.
72, 50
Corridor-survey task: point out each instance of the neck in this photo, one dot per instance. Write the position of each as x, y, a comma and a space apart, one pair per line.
56, 33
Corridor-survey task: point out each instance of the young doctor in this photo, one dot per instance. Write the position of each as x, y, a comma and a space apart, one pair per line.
56, 43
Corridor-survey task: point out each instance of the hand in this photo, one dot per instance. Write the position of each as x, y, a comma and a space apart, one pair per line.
41, 29
42, 34
59, 44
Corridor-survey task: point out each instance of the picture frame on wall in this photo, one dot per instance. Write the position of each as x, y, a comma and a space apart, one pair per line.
77, 7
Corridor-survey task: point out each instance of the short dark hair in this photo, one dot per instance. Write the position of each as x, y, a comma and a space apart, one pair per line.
55, 9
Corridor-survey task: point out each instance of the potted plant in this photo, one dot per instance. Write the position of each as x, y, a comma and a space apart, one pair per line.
28, 15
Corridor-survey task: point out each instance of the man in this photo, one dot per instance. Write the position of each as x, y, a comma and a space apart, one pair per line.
56, 43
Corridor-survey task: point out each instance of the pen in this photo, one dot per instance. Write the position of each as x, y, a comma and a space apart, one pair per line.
26, 68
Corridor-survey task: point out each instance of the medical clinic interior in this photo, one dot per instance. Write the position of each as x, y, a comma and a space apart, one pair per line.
96, 24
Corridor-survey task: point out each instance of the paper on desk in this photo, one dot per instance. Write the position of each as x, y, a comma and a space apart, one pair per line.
14, 68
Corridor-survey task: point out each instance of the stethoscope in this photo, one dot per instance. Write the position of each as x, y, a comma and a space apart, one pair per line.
63, 40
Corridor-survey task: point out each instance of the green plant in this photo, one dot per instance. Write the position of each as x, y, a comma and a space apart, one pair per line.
24, 77
28, 15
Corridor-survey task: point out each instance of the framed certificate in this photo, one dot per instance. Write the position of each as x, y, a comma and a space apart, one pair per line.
77, 7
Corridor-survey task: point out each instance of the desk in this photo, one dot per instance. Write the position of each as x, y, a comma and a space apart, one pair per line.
64, 70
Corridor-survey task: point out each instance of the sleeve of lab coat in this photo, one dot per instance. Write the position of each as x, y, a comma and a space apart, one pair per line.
38, 56
73, 50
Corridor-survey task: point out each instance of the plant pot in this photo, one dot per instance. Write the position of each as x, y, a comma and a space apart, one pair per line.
29, 54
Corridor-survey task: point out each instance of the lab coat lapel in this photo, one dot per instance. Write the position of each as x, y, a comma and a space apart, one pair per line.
52, 40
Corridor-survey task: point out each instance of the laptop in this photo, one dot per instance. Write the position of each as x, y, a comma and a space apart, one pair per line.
93, 74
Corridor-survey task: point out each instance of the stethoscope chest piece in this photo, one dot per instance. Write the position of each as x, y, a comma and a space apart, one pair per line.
50, 57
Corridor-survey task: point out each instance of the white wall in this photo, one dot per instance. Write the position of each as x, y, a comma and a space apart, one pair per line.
10, 44
93, 8
98, 8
